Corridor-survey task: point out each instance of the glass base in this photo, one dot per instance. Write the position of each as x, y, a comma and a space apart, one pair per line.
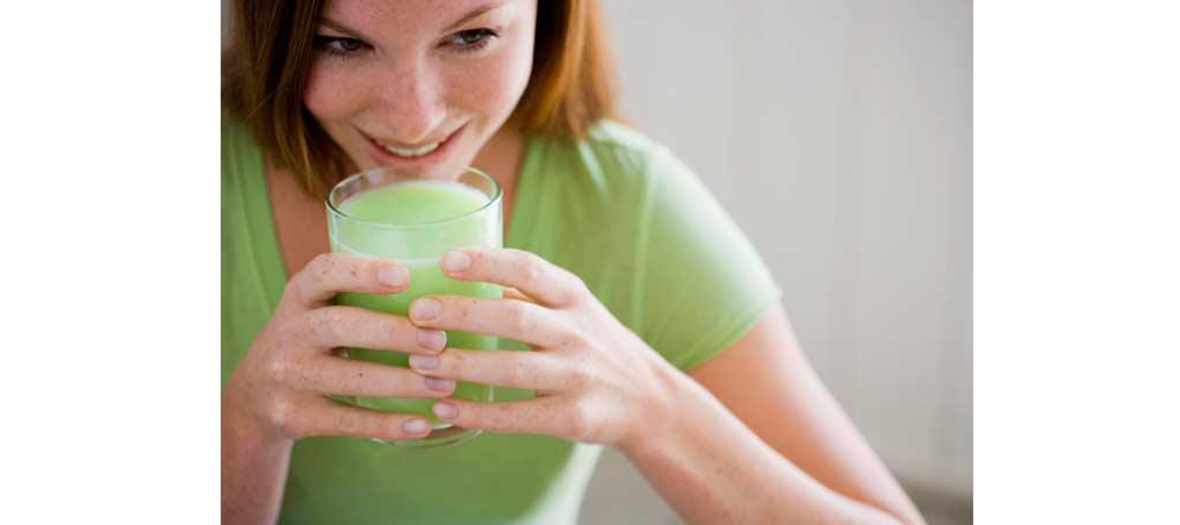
438, 437
441, 434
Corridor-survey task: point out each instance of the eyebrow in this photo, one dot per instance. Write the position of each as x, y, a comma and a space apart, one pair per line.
337, 26
474, 13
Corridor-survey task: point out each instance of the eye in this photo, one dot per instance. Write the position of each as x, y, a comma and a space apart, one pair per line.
338, 45
471, 39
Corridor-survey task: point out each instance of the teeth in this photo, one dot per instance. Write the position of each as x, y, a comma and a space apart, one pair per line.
412, 152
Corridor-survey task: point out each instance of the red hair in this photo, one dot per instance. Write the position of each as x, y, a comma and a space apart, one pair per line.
264, 74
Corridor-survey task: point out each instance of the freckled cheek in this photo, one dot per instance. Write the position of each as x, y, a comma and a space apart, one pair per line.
334, 106
324, 97
491, 88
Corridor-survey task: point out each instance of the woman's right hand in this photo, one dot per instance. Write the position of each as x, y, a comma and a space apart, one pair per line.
280, 387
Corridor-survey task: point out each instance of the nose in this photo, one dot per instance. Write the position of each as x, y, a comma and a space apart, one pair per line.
408, 102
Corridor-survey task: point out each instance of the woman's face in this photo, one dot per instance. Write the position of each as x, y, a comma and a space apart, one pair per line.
416, 84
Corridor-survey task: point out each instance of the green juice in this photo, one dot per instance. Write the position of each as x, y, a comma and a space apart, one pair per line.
415, 242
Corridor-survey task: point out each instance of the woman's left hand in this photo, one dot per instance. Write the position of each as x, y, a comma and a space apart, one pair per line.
595, 380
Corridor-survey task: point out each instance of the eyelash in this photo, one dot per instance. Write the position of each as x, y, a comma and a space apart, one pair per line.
483, 36
339, 46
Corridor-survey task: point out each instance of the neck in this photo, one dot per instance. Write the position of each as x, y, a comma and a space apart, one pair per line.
501, 156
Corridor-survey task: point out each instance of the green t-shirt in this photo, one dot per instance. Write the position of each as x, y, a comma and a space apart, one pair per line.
618, 210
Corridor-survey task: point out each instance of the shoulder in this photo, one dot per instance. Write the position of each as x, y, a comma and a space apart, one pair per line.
613, 156
632, 150
617, 137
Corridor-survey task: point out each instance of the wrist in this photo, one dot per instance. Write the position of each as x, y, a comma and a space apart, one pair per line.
254, 464
658, 416
243, 425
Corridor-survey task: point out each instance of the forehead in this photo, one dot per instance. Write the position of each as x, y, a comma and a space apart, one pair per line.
406, 16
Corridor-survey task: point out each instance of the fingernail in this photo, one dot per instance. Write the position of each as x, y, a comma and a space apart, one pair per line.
423, 362
416, 426
434, 340
425, 309
392, 276
445, 410
456, 261
442, 385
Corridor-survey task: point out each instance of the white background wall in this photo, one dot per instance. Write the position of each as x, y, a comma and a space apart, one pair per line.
838, 135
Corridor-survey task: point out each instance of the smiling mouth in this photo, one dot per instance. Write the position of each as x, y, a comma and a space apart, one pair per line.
423, 152
417, 152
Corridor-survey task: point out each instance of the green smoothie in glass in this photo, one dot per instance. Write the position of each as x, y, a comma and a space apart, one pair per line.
415, 221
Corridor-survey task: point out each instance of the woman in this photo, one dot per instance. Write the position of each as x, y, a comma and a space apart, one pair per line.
656, 328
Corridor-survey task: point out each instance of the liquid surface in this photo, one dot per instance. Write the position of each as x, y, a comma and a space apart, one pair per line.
415, 202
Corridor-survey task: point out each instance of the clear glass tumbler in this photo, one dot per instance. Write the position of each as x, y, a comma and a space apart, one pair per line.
383, 213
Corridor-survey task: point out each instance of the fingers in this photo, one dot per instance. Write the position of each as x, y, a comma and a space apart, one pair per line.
332, 375
321, 417
551, 415
510, 368
510, 318
512, 293
330, 273
546, 282
337, 326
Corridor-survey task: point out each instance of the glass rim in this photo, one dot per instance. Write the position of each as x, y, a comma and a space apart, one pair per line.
498, 192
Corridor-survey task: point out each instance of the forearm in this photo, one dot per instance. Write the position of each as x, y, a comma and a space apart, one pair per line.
253, 471
710, 468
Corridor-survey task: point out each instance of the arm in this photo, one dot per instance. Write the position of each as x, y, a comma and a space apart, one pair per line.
253, 469
598, 382
278, 392
757, 438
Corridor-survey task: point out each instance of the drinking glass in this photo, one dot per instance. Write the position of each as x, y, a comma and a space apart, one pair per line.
414, 220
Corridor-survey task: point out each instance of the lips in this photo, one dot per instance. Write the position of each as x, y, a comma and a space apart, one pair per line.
428, 152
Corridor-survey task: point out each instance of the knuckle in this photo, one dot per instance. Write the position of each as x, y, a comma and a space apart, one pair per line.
296, 292
571, 338
530, 266
574, 292
580, 289
395, 326
293, 288
322, 264
452, 361
343, 422
519, 318
278, 371
399, 332
317, 273
517, 373
284, 417
580, 420
578, 376
320, 267
480, 257
321, 324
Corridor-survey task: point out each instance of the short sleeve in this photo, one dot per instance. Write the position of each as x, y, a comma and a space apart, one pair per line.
701, 280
